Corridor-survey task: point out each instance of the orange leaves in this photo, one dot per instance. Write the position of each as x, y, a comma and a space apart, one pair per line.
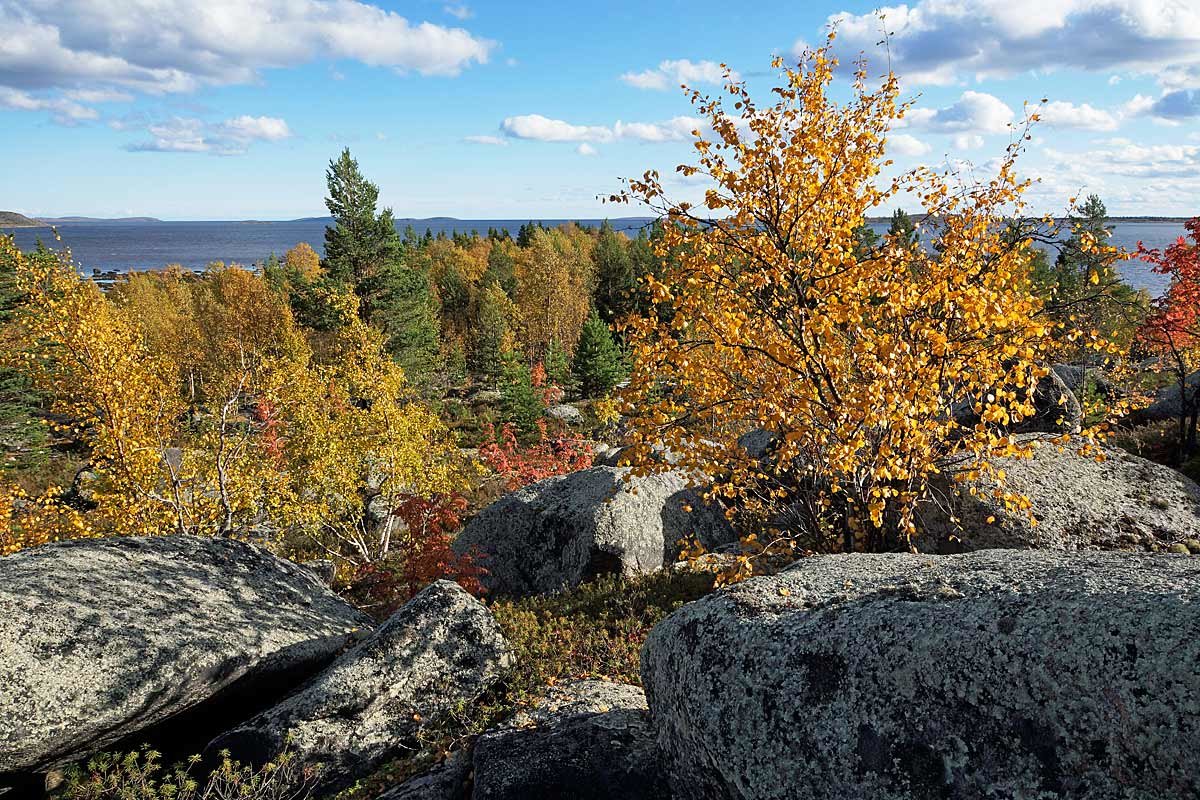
857, 364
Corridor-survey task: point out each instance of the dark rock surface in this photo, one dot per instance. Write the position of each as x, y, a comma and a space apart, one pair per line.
442, 648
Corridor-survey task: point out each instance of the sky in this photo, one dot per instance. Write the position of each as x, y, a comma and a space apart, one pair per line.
231, 109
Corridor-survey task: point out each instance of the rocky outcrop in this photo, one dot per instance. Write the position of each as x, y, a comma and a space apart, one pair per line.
450, 780
569, 415
1167, 404
589, 739
1123, 502
568, 529
901, 676
102, 639
441, 649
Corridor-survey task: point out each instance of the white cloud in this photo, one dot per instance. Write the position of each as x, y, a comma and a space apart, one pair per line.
1177, 105
946, 41
974, 112
63, 111
967, 141
1124, 158
674, 73
458, 11
544, 129
160, 46
676, 129
585, 149
267, 129
98, 96
907, 145
489, 140
231, 137
1060, 114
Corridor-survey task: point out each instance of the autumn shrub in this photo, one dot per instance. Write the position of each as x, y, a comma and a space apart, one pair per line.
141, 775
518, 464
857, 362
422, 555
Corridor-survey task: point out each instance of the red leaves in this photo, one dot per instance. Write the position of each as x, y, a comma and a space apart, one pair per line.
1174, 324
424, 557
520, 466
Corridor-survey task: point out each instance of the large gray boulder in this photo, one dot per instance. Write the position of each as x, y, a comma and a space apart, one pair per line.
101, 639
900, 676
588, 740
450, 780
569, 529
441, 649
1123, 502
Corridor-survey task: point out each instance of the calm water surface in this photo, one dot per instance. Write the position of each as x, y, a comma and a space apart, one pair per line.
121, 247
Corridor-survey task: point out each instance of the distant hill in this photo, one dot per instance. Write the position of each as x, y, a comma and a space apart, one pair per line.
117, 220
11, 219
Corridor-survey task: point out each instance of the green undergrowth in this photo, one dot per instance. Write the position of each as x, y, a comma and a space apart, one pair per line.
595, 631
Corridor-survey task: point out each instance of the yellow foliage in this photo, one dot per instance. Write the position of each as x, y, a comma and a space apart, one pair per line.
767, 319
303, 260
555, 279
205, 412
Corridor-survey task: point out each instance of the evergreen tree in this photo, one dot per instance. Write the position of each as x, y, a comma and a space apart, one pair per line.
903, 230
558, 367
1083, 288
866, 241
615, 279
521, 403
500, 270
408, 313
598, 362
361, 243
491, 331
21, 431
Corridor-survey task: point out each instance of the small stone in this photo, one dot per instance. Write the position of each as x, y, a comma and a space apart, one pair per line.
1179, 547
1193, 545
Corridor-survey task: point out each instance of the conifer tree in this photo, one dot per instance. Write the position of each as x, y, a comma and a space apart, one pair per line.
361, 243
598, 362
615, 279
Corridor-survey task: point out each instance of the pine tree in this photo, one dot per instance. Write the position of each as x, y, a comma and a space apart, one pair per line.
408, 313
500, 270
490, 332
558, 367
361, 243
598, 362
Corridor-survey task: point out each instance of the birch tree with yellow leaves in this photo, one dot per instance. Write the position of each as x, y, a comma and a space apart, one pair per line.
239, 429
853, 364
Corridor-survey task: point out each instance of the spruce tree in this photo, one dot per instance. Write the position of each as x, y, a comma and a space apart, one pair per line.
520, 402
903, 230
598, 362
615, 279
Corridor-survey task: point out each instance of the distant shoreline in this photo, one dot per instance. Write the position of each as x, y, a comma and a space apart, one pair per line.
8, 220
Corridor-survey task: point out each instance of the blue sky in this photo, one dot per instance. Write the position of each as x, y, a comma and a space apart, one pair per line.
230, 109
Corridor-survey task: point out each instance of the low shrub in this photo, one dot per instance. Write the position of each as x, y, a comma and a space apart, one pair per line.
140, 775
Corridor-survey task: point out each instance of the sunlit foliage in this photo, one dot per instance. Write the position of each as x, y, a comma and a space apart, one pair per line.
770, 318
